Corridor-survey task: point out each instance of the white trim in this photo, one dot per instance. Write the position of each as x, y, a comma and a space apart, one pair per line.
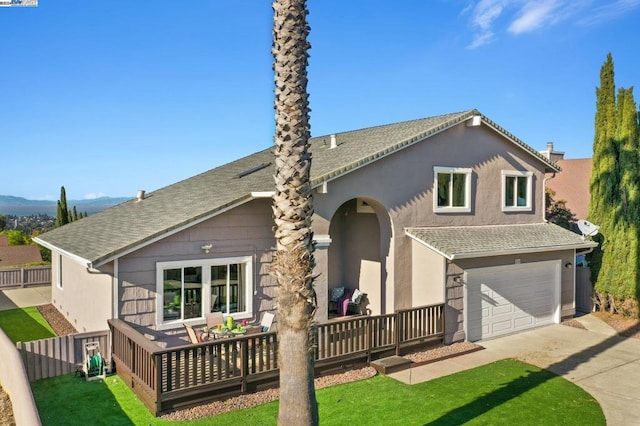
516, 174
322, 241
206, 265
81, 260
467, 188
115, 298
59, 277
262, 194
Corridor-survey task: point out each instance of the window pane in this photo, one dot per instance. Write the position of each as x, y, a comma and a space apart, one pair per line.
509, 191
522, 191
193, 292
172, 294
459, 190
219, 288
444, 180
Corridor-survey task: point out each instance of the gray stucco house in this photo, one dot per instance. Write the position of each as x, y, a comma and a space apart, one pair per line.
446, 209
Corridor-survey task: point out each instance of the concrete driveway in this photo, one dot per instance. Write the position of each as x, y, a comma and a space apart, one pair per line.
596, 359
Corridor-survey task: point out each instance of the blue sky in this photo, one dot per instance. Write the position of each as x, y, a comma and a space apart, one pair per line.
108, 97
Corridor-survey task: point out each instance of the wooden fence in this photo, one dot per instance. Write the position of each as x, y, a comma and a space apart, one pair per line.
57, 356
24, 277
170, 378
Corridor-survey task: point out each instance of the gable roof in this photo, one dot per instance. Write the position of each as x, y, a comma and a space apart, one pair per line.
111, 233
461, 242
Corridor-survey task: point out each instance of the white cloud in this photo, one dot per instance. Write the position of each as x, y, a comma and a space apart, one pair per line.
490, 18
609, 12
533, 15
94, 195
483, 15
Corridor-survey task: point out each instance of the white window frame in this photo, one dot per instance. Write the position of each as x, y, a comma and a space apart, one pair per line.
529, 201
206, 265
59, 274
467, 196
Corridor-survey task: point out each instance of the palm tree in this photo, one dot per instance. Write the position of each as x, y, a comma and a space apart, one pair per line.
293, 261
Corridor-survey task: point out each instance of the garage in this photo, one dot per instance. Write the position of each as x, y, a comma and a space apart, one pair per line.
506, 299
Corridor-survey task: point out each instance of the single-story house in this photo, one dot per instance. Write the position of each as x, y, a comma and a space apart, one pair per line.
441, 210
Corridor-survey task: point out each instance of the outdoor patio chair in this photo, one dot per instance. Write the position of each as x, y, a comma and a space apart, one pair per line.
191, 333
213, 319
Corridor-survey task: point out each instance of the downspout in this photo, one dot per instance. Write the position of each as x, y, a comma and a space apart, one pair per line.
544, 196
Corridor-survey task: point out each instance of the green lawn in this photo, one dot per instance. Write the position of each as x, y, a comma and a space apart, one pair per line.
25, 325
506, 392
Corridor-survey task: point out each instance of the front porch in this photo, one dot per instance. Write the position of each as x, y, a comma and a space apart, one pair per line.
170, 378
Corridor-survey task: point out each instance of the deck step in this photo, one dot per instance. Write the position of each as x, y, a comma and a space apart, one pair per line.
391, 364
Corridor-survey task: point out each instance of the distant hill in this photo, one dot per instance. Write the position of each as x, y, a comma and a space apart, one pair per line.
10, 205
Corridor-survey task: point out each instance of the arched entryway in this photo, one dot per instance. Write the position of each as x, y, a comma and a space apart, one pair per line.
360, 233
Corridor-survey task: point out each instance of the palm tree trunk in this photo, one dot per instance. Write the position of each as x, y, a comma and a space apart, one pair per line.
293, 261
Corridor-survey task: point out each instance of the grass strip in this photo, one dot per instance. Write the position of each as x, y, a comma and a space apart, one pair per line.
25, 325
506, 392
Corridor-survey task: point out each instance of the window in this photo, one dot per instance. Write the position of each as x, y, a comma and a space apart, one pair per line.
516, 190
182, 288
452, 190
189, 289
227, 287
60, 271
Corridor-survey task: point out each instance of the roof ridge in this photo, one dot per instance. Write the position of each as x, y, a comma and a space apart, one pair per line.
394, 124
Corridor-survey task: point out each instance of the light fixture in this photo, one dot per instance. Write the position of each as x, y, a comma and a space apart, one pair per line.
207, 247
568, 265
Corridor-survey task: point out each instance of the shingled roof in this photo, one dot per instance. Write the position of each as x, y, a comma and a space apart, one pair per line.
118, 230
460, 242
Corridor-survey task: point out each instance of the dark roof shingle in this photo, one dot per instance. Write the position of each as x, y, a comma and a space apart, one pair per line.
119, 229
462, 242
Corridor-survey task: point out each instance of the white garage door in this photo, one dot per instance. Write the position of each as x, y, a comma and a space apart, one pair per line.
505, 299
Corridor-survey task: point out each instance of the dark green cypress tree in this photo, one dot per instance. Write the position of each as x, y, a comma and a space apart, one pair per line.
63, 211
625, 285
604, 183
615, 197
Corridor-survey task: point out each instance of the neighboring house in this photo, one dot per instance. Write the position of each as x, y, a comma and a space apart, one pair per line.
572, 184
442, 210
17, 255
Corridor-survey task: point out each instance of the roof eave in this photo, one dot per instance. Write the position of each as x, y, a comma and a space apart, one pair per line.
78, 259
550, 167
470, 255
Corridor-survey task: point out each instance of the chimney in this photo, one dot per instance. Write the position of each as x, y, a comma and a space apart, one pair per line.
140, 195
334, 142
552, 155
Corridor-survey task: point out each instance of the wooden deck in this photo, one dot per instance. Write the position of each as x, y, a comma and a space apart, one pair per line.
171, 378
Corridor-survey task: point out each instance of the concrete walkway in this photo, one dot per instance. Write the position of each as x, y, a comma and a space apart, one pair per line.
24, 297
596, 359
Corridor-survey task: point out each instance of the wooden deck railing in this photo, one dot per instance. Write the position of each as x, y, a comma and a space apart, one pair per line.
169, 378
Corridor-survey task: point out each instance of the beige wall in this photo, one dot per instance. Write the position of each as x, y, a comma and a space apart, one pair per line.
428, 275
86, 297
402, 184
